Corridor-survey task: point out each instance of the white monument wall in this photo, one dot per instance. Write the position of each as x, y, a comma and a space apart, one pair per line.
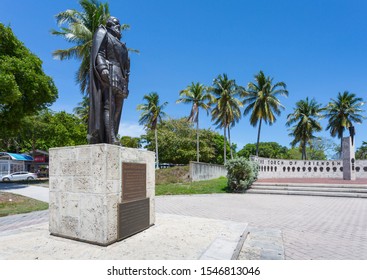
281, 168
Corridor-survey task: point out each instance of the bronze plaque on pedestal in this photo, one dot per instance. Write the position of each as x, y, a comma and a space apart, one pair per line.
134, 181
133, 217
134, 211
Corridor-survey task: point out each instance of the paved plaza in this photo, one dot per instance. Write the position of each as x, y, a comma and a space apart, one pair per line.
329, 228
311, 227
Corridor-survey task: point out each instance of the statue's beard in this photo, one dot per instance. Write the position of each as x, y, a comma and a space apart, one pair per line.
115, 32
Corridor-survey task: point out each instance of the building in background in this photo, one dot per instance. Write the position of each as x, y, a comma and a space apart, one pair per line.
11, 162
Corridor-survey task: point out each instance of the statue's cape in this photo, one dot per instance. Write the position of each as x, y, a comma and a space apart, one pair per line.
95, 121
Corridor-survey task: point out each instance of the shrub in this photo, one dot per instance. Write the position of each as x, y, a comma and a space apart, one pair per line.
241, 174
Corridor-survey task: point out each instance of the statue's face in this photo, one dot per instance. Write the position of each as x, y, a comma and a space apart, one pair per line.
114, 24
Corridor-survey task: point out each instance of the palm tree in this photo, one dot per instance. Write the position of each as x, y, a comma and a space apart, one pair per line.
196, 95
82, 109
226, 111
262, 101
361, 152
343, 113
80, 30
305, 117
151, 114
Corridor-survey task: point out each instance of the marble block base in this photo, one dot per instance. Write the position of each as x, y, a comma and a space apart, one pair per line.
86, 190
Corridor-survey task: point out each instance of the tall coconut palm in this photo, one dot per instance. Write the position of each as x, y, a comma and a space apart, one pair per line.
197, 95
151, 115
361, 152
305, 117
81, 26
82, 109
226, 111
262, 101
343, 113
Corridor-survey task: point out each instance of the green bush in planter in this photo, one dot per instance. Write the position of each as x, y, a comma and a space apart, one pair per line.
241, 174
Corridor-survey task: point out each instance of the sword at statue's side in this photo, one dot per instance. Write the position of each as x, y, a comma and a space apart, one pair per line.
110, 69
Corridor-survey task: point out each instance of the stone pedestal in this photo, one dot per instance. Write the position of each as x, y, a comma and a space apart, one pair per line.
87, 197
349, 161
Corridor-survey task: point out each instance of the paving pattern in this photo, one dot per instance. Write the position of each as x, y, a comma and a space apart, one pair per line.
23, 220
329, 228
312, 227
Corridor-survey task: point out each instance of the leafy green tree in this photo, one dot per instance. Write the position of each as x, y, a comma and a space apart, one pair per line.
66, 130
52, 129
24, 87
131, 142
151, 115
266, 150
215, 140
342, 113
177, 142
313, 153
196, 95
81, 26
305, 117
226, 111
361, 152
262, 101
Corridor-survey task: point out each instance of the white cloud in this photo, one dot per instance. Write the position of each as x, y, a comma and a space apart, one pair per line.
131, 129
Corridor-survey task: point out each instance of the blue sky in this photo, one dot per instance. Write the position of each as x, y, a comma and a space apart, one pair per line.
318, 48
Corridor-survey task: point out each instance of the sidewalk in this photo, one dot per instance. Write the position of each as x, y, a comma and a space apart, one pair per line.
192, 226
173, 237
39, 191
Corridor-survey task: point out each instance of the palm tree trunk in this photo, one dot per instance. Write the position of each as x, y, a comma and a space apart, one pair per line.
156, 149
258, 138
225, 146
197, 137
341, 146
304, 156
229, 141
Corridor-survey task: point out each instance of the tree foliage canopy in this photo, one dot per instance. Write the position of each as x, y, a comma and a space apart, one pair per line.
47, 130
305, 118
261, 99
266, 149
24, 87
177, 143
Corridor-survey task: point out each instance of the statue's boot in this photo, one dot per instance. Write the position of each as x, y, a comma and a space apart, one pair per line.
109, 128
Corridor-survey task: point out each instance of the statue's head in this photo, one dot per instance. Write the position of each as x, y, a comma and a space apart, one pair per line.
113, 24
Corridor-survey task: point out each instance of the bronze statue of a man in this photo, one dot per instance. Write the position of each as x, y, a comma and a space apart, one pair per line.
109, 78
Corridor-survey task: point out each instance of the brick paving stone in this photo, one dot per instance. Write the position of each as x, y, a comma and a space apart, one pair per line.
312, 227
21, 220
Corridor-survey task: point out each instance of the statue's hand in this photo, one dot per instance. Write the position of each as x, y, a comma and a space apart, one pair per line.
105, 75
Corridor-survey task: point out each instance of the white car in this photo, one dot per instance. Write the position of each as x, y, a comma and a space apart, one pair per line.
19, 176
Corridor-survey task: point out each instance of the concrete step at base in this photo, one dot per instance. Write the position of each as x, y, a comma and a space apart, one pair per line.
318, 185
312, 188
307, 193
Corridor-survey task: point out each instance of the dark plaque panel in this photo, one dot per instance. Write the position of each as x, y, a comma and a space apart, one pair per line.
133, 181
133, 217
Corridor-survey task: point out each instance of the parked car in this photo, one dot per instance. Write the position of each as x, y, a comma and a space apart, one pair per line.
19, 176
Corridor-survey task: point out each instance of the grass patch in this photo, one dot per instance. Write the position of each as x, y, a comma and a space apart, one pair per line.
11, 204
177, 174
42, 182
202, 187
